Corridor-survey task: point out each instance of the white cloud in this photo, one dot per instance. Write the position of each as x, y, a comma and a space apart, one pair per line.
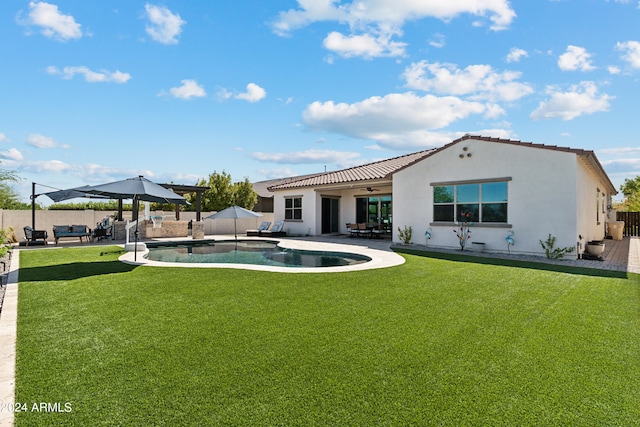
438, 41
575, 58
620, 150
581, 99
41, 141
276, 173
480, 82
515, 54
12, 154
164, 26
307, 156
254, 93
364, 45
390, 12
628, 166
612, 69
4, 138
53, 24
630, 52
399, 118
90, 76
189, 89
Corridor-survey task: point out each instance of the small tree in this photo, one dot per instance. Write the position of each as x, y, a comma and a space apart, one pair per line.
631, 191
223, 193
244, 195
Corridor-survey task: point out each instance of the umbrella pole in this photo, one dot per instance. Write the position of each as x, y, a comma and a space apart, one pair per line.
235, 231
135, 245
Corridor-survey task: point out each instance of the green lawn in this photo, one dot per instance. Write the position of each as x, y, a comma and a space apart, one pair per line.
430, 342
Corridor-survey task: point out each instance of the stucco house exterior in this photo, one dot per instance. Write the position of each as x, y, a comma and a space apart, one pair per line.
507, 187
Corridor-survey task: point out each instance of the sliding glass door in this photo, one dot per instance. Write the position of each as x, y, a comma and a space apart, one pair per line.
374, 210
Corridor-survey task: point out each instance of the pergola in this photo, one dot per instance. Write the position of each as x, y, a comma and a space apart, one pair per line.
181, 190
176, 188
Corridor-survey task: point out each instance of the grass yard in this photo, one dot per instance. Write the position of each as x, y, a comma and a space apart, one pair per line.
430, 342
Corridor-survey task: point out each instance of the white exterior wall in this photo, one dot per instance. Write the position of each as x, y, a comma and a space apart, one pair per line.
542, 197
310, 211
591, 215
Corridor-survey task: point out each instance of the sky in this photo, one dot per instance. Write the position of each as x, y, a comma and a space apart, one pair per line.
97, 91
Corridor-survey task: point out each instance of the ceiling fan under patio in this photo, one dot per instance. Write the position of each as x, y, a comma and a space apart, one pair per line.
371, 189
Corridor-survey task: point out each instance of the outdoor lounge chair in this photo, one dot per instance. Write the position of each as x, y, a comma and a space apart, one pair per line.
263, 227
276, 230
31, 235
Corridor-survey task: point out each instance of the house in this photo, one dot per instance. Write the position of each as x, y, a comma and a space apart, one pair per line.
264, 203
508, 187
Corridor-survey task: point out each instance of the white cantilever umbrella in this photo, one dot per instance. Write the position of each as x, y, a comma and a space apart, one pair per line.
234, 212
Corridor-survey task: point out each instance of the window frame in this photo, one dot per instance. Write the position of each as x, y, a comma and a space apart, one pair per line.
290, 212
454, 205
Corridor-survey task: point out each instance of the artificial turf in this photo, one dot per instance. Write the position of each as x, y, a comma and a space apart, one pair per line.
430, 342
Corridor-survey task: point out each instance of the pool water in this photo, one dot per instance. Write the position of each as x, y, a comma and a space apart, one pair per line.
258, 252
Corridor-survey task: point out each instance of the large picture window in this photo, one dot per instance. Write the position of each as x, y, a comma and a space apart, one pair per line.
486, 202
293, 208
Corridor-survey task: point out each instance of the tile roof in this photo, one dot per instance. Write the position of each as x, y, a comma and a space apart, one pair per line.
383, 169
377, 170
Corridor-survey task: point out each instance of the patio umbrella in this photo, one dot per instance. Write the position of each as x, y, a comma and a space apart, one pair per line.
136, 189
234, 212
72, 193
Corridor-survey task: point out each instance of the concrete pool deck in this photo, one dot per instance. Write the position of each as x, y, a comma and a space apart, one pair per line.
381, 256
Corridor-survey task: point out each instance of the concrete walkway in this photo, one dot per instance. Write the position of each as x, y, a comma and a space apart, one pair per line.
8, 326
619, 255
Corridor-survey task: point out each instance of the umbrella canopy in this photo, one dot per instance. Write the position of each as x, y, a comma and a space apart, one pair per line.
138, 188
234, 212
72, 193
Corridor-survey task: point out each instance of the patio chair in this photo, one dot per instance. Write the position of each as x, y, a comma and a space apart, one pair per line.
352, 229
103, 230
31, 235
364, 230
263, 227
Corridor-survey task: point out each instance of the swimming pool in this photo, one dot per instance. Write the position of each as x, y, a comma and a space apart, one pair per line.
249, 252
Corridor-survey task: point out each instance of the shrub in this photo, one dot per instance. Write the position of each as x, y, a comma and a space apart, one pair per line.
551, 251
405, 234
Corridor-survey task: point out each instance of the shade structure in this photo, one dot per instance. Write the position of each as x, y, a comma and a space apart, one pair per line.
138, 188
73, 193
234, 212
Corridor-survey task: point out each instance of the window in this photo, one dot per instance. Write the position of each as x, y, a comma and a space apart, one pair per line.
485, 201
293, 208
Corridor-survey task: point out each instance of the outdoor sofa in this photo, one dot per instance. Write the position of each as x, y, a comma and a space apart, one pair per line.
79, 231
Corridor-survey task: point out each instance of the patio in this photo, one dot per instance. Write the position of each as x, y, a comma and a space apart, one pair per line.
619, 255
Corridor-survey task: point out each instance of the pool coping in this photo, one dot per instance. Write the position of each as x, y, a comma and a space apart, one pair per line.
379, 258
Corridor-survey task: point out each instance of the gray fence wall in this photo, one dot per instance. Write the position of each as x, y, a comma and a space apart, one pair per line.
45, 220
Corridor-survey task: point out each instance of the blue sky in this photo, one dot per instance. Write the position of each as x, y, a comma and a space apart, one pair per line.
92, 92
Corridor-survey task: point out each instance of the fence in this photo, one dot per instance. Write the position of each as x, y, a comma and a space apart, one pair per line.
46, 219
631, 222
